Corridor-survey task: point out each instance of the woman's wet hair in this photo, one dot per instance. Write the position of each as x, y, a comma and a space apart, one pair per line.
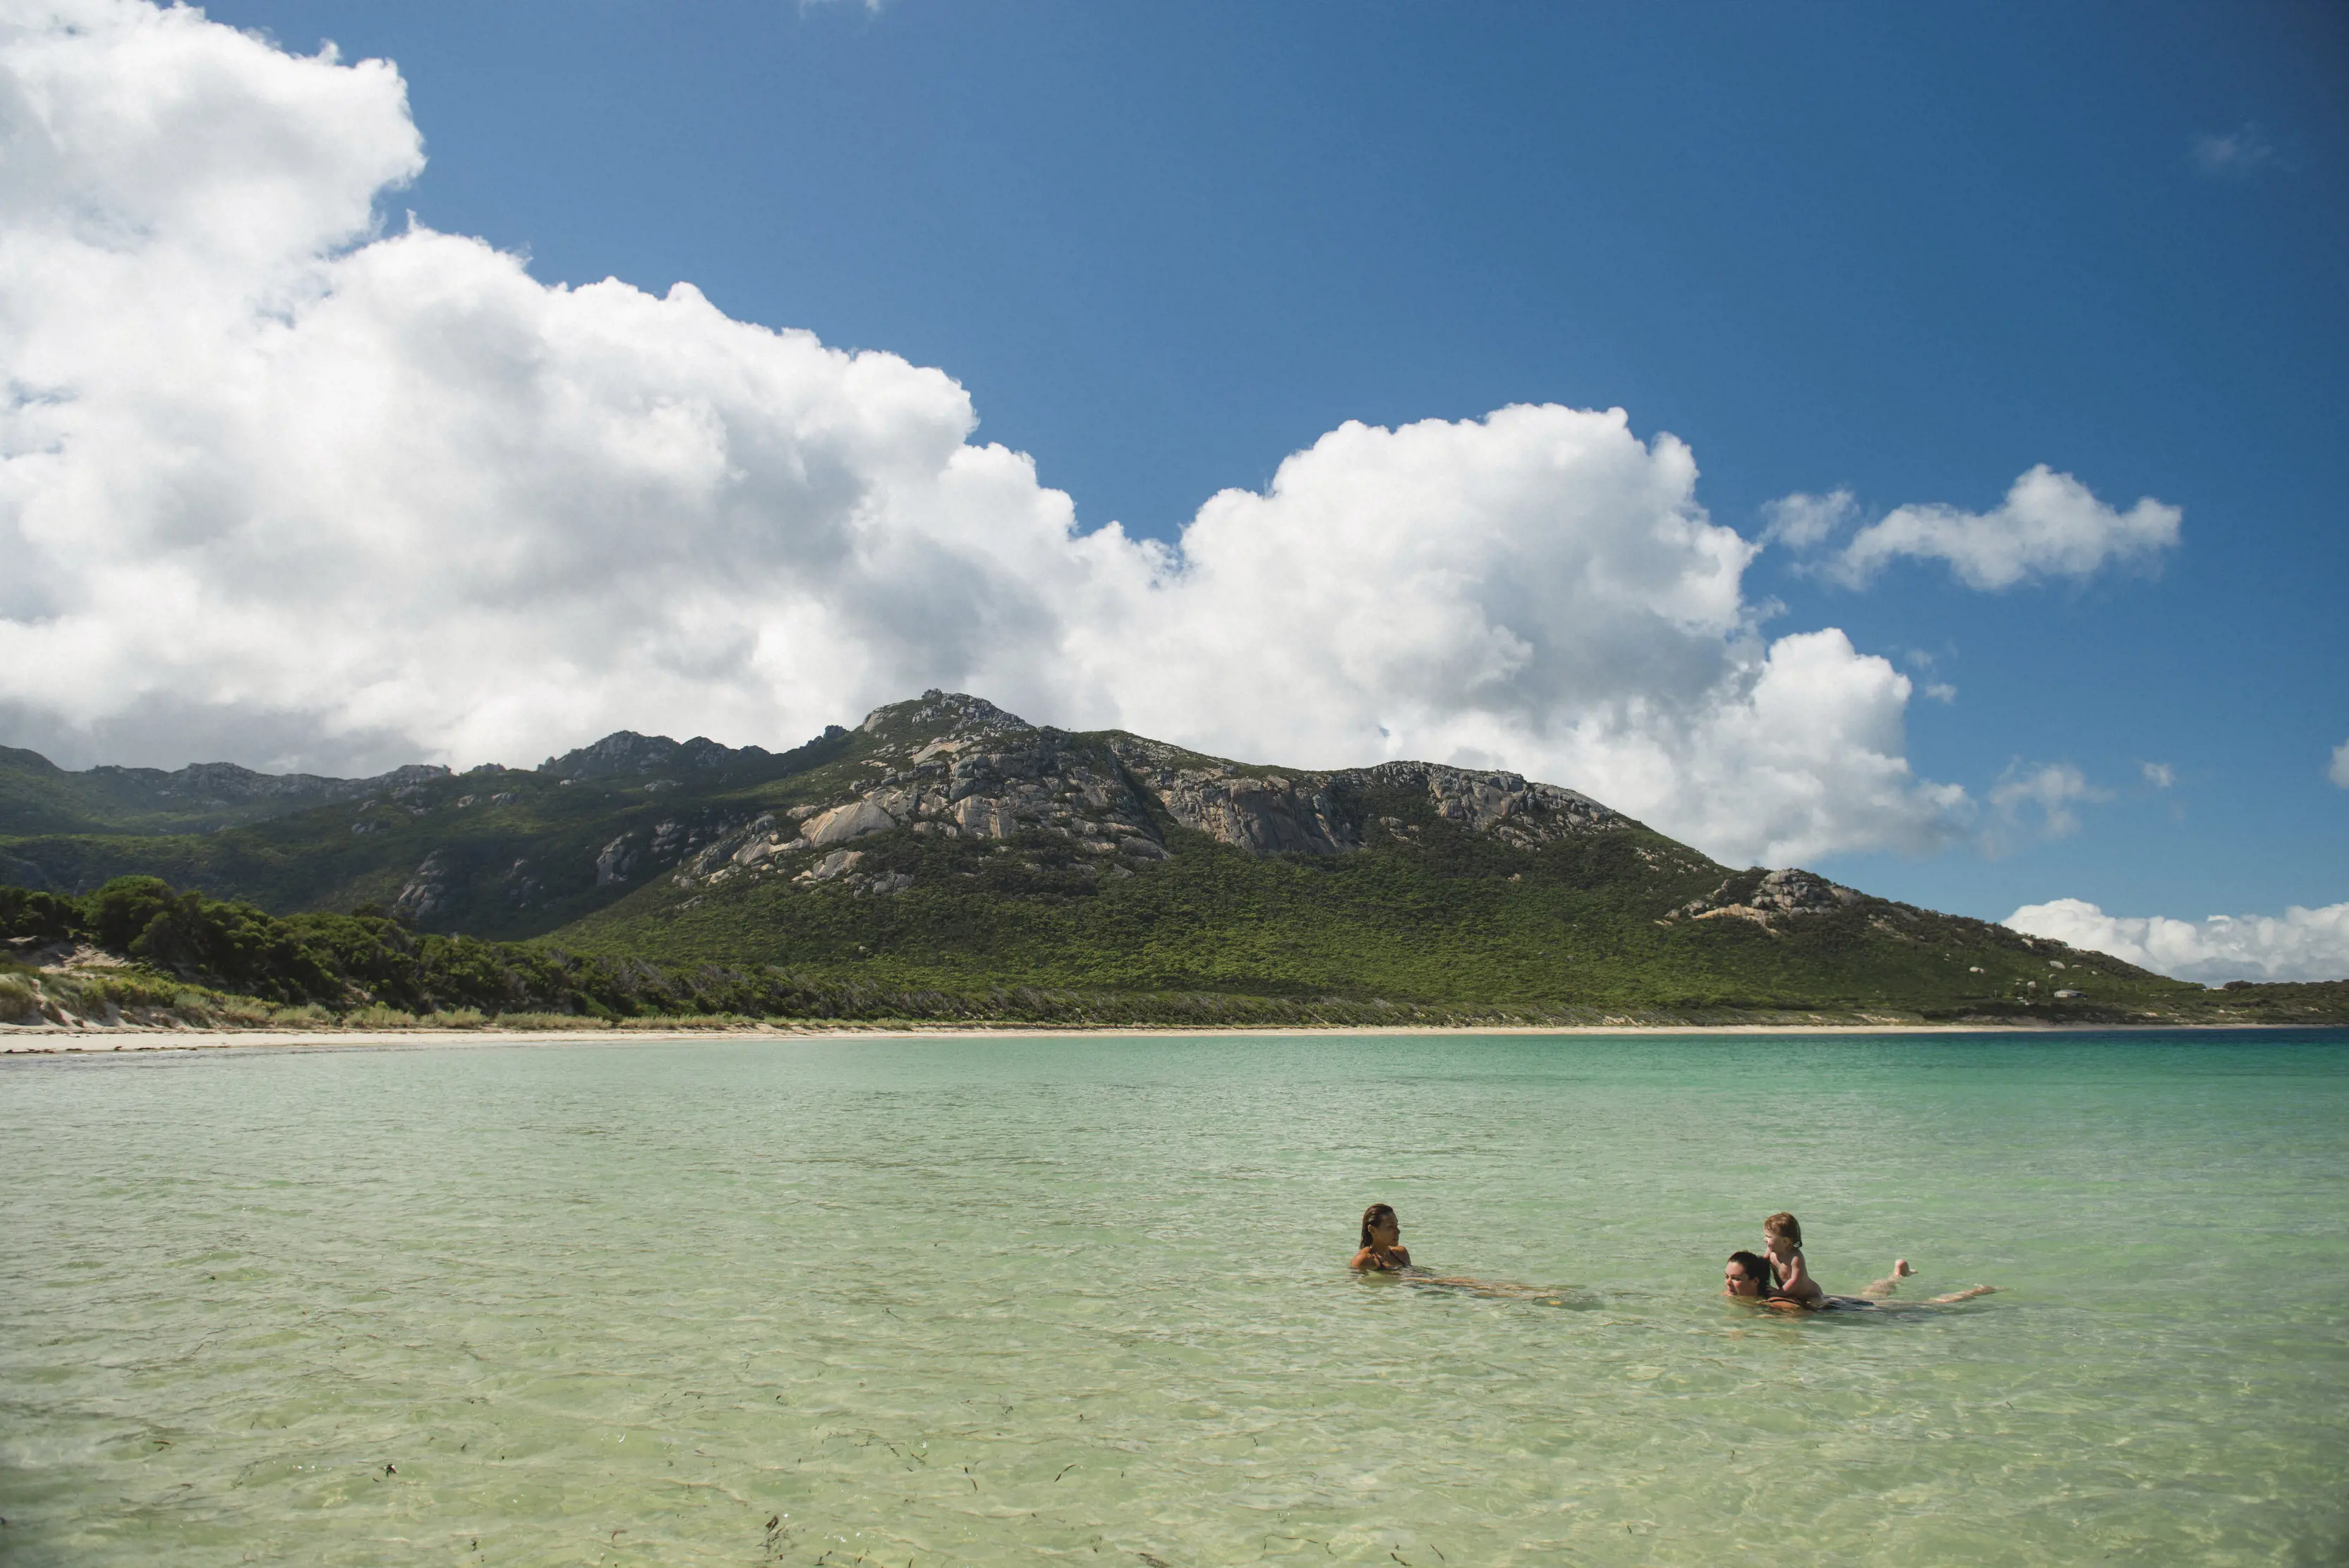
1784, 1224
1757, 1269
1371, 1216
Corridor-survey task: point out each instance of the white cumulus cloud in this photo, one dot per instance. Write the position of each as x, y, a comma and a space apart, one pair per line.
2299, 944
279, 487
1801, 522
2339, 772
2049, 526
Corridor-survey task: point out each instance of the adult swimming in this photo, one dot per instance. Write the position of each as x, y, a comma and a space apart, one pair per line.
1780, 1277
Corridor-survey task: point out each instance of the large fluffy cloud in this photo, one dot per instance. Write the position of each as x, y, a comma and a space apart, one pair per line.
2299, 944
277, 486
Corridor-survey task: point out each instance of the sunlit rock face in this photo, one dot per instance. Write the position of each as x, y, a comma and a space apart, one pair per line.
838, 813
1267, 814
956, 765
1771, 898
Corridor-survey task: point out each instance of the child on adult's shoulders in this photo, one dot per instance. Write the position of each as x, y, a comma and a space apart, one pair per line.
1778, 1277
1782, 1246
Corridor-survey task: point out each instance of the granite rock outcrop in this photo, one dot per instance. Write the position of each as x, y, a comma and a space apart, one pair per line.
953, 765
1769, 898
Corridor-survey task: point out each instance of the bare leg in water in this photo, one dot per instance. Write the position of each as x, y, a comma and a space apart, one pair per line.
1548, 1295
1876, 1290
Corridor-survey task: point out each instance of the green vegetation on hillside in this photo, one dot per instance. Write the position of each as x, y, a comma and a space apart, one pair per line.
946, 861
36, 796
1459, 922
516, 851
194, 960
187, 959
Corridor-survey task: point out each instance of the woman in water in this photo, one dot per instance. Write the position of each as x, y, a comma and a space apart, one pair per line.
1747, 1277
1382, 1250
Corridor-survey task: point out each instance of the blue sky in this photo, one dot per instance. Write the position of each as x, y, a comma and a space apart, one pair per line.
1903, 253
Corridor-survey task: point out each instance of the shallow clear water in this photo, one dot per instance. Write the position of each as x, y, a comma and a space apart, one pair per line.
986, 1300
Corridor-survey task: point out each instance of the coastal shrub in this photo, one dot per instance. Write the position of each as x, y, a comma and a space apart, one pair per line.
20, 999
41, 917
330, 961
232, 945
379, 1017
116, 913
367, 969
96, 992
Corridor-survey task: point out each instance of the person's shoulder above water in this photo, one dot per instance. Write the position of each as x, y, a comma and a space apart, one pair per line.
1382, 1248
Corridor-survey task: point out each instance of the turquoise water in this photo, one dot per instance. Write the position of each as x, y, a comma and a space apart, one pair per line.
994, 1301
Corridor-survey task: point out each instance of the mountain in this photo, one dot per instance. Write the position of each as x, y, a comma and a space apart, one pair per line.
525, 844
37, 797
947, 843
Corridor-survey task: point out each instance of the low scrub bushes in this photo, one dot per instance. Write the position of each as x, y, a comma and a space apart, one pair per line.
376, 1016
20, 998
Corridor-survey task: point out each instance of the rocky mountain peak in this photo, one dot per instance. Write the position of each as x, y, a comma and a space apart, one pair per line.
948, 765
624, 753
941, 715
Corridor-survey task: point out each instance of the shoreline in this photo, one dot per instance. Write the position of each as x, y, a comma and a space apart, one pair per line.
52, 1039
